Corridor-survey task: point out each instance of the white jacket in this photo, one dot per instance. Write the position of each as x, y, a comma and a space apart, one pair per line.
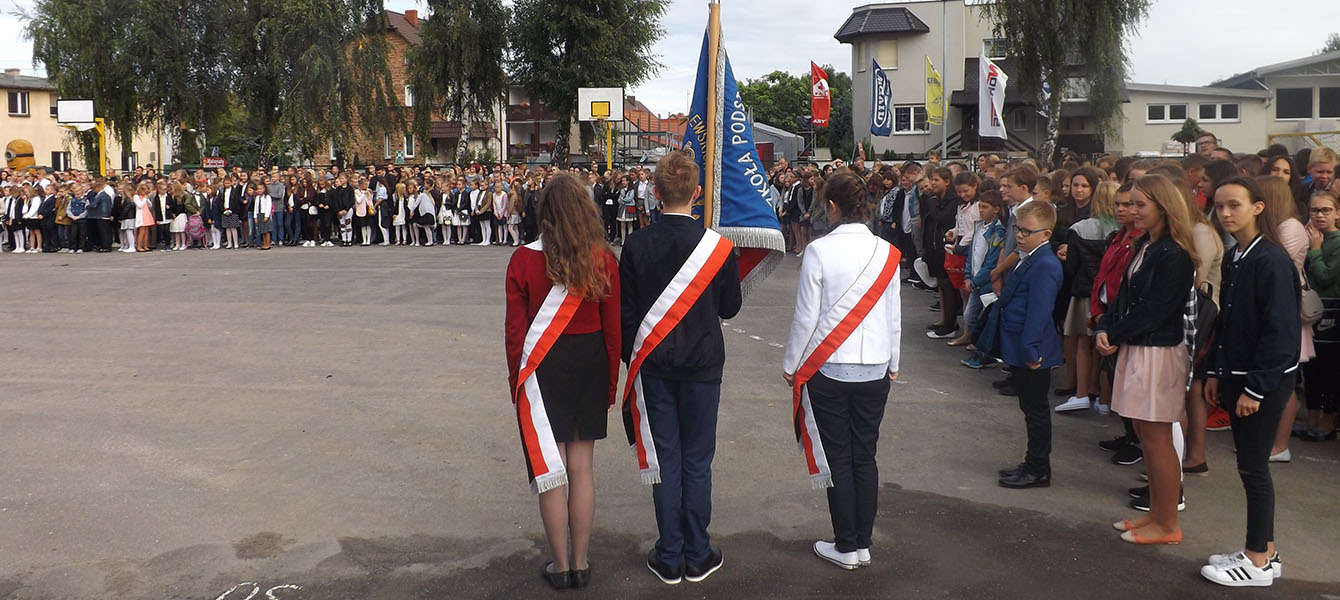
832, 264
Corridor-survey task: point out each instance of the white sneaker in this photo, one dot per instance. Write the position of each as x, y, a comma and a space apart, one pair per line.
1238, 571
1102, 409
863, 556
1073, 404
1276, 565
1282, 457
828, 551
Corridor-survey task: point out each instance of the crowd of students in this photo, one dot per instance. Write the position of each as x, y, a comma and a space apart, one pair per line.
1185, 296
142, 211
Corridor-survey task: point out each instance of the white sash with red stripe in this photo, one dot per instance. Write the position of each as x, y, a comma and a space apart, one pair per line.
833, 329
537, 437
665, 314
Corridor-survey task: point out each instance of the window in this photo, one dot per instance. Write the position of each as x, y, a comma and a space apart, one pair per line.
1019, 120
1214, 112
409, 96
886, 52
995, 48
910, 119
386, 146
1293, 103
1329, 105
53, 104
409, 145
60, 161
1076, 88
129, 161
1166, 113
18, 103
331, 145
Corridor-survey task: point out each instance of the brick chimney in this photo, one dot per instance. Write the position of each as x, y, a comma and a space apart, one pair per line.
413, 17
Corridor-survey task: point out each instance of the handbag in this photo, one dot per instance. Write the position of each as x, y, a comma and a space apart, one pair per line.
311, 210
1311, 307
1327, 328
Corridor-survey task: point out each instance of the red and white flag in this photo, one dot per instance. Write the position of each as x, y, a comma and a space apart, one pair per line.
833, 329
666, 313
537, 437
820, 98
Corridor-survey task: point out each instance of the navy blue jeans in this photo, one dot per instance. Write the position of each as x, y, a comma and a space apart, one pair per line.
683, 418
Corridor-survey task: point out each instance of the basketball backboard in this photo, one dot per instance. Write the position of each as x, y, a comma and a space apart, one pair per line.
600, 104
74, 112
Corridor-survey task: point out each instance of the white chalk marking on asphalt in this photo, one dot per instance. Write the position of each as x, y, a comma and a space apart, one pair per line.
1326, 461
738, 330
755, 338
255, 589
776, 345
937, 391
269, 594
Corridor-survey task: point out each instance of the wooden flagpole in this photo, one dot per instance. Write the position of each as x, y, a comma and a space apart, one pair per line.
713, 132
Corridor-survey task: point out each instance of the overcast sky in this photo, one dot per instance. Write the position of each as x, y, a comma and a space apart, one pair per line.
1184, 42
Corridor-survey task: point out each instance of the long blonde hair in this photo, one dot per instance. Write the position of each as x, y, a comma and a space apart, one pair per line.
1161, 191
574, 239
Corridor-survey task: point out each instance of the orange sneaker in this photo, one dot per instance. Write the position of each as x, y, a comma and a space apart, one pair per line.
1217, 420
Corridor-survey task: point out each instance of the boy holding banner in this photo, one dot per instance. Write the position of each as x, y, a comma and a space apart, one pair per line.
677, 280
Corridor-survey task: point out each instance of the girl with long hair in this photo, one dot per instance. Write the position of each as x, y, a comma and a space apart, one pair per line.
1153, 368
1086, 242
577, 377
501, 204
144, 216
1293, 238
400, 206
364, 213
1253, 364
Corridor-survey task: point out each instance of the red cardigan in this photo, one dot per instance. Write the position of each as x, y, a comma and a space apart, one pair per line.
527, 287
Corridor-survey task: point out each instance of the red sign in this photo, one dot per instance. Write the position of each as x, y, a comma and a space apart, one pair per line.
213, 163
819, 96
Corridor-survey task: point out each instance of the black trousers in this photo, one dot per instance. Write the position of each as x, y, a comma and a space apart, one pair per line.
848, 416
1032, 386
102, 234
79, 235
1321, 378
327, 222
1253, 437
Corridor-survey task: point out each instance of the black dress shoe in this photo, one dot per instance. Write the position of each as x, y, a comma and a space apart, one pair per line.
1012, 471
1064, 391
1025, 479
667, 574
580, 578
558, 581
1114, 444
700, 572
1008, 390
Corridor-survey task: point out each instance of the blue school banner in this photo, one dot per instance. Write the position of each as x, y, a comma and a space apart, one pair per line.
735, 199
881, 103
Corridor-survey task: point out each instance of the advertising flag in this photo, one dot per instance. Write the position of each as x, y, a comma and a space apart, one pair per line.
935, 89
881, 102
720, 137
820, 98
991, 99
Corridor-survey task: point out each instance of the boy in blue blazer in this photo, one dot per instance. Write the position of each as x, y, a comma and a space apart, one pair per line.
1028, 341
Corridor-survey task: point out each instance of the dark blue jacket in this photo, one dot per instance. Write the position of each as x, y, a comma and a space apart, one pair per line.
1258, 333
1027, 332
100, 207
694, 350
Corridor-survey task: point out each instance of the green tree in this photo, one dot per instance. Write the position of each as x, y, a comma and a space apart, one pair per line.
300, 68
1084, 39
777, 98
457, 71
1332, 44
558, 47
1187, 134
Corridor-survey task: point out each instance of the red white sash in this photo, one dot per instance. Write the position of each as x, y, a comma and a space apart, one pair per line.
834, 328
665, 314
537, 438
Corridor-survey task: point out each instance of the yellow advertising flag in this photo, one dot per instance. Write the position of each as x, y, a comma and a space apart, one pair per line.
935, 109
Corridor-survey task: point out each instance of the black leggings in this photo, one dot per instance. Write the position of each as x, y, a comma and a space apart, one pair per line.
1253, 436
1321, 378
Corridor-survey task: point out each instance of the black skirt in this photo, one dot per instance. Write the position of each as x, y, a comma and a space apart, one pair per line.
574, 380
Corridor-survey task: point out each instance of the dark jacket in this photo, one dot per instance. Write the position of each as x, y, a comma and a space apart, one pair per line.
1083, 257
1027, 333
1150, 302
1258, 334
694, 350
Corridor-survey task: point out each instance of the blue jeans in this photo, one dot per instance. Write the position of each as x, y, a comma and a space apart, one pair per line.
683, 418
279, 226
253, 239
974, 308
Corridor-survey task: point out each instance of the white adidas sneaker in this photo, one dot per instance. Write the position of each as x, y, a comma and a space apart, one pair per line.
1238, 571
